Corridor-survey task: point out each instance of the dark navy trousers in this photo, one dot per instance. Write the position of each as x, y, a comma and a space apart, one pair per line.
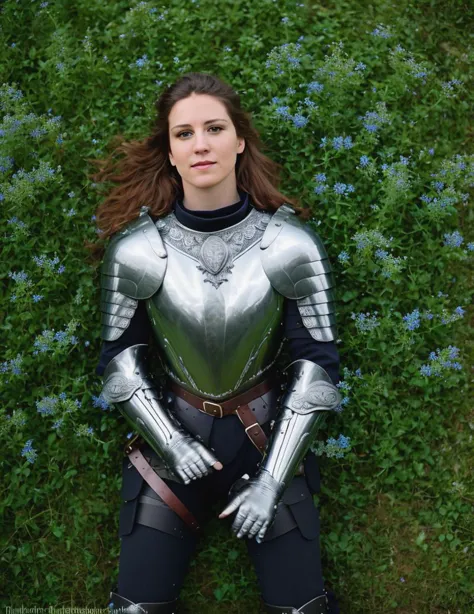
154, 562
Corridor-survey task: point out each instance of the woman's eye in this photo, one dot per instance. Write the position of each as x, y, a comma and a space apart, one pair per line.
211, 128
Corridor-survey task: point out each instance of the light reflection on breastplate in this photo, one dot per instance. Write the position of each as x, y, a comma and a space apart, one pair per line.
216, 317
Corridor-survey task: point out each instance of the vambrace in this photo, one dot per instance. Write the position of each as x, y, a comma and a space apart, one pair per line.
310, 393
128, 386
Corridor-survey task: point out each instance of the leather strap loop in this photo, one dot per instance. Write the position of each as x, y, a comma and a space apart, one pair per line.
252, 428
160, 487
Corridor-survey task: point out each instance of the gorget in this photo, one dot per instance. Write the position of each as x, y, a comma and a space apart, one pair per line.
216, 317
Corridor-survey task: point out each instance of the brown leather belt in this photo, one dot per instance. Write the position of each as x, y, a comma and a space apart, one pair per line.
237, 405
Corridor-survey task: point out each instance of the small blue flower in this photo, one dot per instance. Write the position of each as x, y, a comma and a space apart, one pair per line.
99, 402
29, 452
454, 239
343, 257
283, 111
314, 86
343, 441
320, 177
364, 161
299, 120
37, 297
412, 319
381, 253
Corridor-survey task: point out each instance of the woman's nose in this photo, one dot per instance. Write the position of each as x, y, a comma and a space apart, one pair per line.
200, 142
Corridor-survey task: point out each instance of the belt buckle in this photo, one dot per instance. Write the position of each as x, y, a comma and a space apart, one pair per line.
129, 447
212, 412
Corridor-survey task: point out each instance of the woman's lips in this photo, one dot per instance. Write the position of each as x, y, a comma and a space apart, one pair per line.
203, 166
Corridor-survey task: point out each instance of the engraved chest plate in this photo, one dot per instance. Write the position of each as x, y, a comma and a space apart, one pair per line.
216, 317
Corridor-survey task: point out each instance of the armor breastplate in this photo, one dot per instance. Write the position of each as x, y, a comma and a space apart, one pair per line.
216, 317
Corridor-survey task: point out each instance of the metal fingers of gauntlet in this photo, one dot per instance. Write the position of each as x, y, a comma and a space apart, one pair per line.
127, 385
310, 394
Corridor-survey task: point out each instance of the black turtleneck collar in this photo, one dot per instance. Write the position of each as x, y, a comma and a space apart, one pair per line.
218, 219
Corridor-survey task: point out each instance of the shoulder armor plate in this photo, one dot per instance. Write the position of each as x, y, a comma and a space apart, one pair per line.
296, 264
133, 269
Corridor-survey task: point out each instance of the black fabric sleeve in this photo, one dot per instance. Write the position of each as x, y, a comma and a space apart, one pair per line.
302, 346
138, 331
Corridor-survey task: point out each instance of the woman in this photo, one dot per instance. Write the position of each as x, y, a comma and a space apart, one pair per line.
219, 269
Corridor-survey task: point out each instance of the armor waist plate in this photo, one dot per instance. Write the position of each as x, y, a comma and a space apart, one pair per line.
216, 317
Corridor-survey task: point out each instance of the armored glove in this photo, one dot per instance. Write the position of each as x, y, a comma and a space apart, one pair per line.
310, 394
127, 385
257, 504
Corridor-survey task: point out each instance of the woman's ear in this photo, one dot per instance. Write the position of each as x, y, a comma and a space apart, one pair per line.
241, 146
170, 155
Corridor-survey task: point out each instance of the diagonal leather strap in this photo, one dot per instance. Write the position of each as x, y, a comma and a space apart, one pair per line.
252, 428
159, 486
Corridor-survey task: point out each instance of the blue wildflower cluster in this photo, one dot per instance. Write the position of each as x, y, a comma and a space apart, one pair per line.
12, 366
448, 88
50, 265
286, 56
47, 405
441, 361
338, 188
343, 256
314, 86
51, 341
140, 63
381, 31
6, 163
366, 240
412, 320
100, 402
449, 318
338, 142
345, 388
29, 452
343, 189
365, 322
22, 284
333, 448
14, 221
17, 418
454, 239
374, 120
83, 431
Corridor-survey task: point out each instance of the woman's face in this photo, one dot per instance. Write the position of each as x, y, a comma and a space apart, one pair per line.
200, 129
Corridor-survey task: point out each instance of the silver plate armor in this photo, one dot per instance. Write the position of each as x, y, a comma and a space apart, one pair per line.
296, 262
215, 299
216, 317
310, 395
133, 268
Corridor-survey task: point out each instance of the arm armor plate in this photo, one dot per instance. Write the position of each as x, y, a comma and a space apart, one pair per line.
296, 263
309, 396
133, 268
126, 384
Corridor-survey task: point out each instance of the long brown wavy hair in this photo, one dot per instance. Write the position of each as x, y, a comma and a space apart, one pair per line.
145, 176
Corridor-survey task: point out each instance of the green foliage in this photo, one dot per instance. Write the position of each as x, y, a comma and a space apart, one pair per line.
373, 136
